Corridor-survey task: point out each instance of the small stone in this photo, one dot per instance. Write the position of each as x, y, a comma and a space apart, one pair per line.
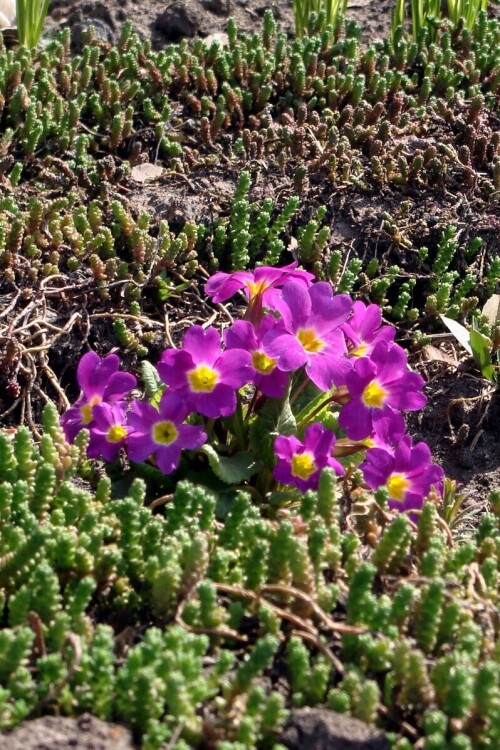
219, 7
146, 172
321, 729
178, 21
219, 36
91, 11
94, 14
56, 733
100, 29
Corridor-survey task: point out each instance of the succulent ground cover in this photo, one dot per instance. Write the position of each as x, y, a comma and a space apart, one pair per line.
200, 603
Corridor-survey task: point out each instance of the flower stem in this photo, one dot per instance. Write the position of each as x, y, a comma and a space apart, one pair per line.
298, 390
251, 405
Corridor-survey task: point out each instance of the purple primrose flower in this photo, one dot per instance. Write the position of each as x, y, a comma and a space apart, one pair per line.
100, 381
407, 473
310, 333
387, 431
108, 432
265, 373
259, 283
377, 385
202, 375
300, 463
161, 433
364, 329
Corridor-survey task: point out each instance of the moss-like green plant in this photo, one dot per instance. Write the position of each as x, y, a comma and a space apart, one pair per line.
77, 557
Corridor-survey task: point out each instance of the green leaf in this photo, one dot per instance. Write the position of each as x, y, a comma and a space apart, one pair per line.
275, 418
481, 353
231, 469
166, 289
152, 383
313, 404
459, 331
151, 379
280, 498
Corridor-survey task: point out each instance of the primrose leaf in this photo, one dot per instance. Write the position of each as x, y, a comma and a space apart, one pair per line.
230, 469
461, 333
313, 404
275, 418
481, 353
151, 379
153, 384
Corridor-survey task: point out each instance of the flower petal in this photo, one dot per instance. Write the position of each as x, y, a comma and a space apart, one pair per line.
191, 437
285, 348
285, 447
272, 385
356, 419
119, 385
299, 305
168, 457
328, 311
235, 367
173, 407
93, 373
327, 370
221, 286
140, 446
241, 335
221, 402
203, 345
172, 367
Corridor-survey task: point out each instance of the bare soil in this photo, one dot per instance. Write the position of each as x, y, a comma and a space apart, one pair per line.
165, 22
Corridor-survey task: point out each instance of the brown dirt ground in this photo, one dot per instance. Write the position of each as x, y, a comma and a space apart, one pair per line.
165, 22
460, 425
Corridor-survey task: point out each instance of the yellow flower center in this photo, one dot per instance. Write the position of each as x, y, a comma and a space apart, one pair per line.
374, 395
309, 340
397, 484
303, 465
263, 363
165, 433
86, 409
202, 379
256, 287
116, 433
369, 442
360, 350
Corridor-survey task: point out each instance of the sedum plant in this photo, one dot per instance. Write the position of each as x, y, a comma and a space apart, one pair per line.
184, 620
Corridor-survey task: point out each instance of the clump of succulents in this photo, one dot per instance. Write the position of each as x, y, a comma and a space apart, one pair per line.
163, 612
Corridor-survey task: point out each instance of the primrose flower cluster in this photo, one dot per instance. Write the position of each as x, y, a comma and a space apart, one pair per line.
295, 331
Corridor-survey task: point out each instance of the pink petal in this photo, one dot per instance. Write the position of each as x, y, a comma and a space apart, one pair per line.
203, 345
